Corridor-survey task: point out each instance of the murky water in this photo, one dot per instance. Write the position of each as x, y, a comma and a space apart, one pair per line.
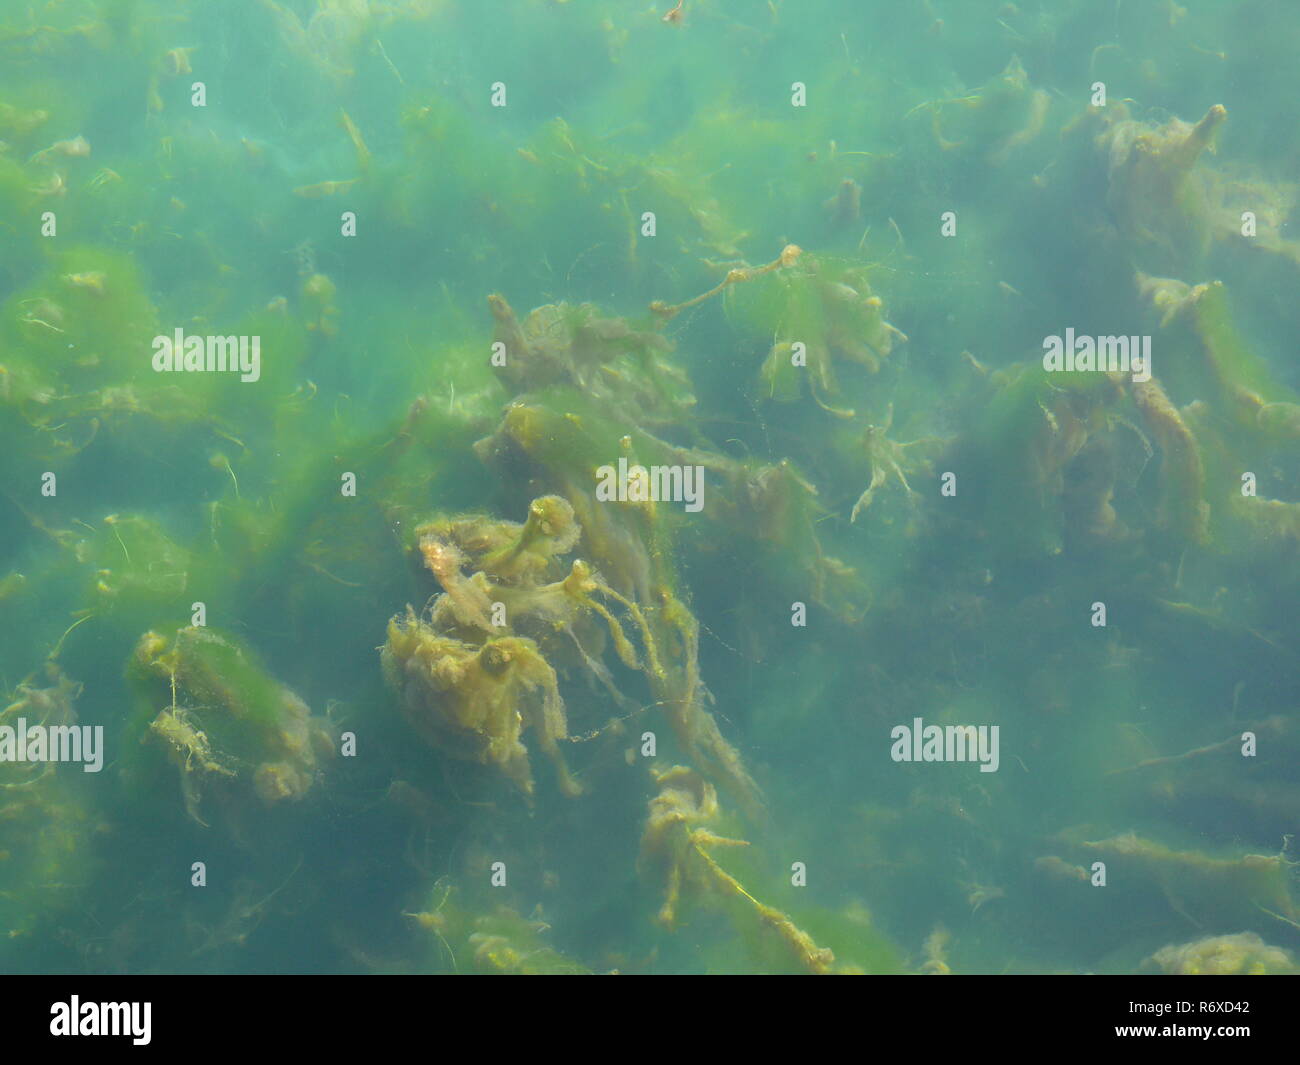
581, 486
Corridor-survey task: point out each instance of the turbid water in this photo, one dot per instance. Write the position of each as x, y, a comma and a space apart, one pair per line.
529, 486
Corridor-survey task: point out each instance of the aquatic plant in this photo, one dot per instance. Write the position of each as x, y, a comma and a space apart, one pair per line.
605, 358
471, 936
46, 822
471, 697
1244, 954
238, 740
720, 264
994, 120
679, 843
825, 306
1254, 888
476, 701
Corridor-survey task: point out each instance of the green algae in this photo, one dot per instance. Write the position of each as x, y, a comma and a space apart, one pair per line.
235, 736
390, 454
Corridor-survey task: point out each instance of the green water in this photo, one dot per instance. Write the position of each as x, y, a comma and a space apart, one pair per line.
798, 262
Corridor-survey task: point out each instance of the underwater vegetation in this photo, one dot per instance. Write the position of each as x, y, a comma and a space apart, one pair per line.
229, 729
502, 521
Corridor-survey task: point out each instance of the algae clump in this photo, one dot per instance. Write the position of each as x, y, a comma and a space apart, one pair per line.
238, 739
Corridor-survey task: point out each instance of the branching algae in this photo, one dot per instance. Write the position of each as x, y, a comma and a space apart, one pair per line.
678, 842
237, 738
